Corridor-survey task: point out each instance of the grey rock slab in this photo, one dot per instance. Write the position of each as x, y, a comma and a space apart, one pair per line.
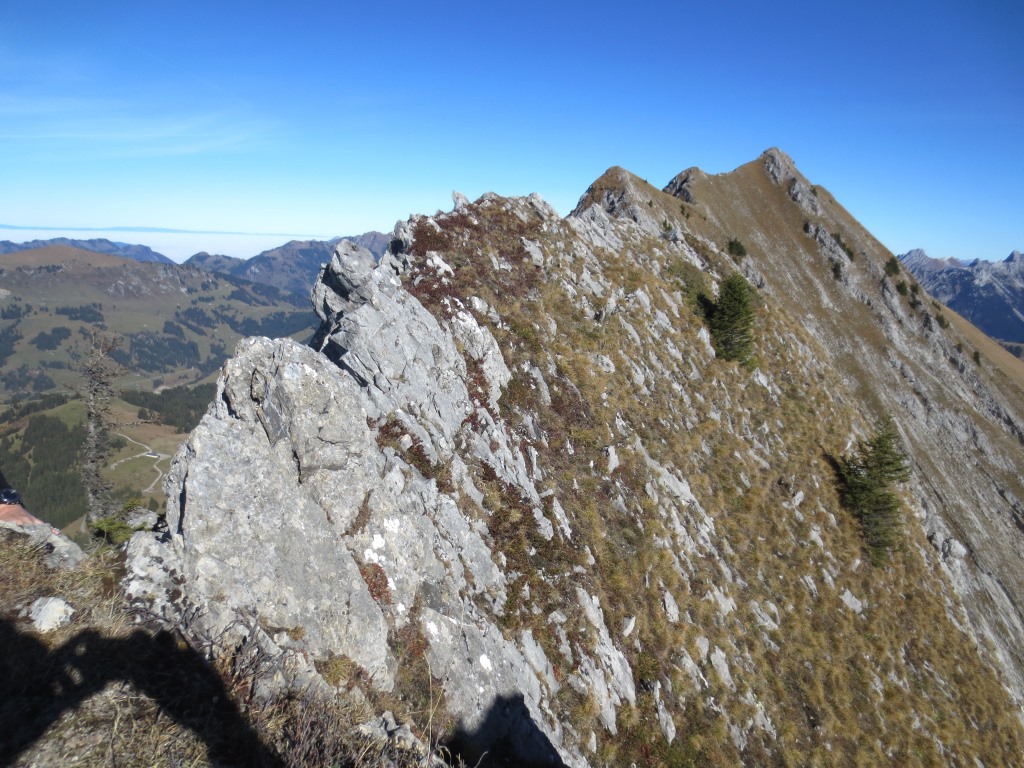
481, 347
343, 281
953, 549
486, 677
538, 660
398, 352
721, 667
671, 607
533, 250
265, 494
141, 519
851, 602
668, 727
424, 544
611, 676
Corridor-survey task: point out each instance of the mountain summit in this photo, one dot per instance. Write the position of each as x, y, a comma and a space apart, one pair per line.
516, 491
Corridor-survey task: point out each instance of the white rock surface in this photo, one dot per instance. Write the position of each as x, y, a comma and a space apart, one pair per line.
49, 613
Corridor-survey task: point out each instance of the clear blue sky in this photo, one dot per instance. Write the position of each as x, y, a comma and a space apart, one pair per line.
326, 118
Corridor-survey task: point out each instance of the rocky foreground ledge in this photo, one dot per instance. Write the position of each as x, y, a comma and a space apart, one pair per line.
303, 516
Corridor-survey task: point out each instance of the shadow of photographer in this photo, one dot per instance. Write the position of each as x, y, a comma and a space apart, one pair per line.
38, 685
506, 737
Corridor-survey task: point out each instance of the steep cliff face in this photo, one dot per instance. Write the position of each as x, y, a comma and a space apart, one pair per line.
512, 491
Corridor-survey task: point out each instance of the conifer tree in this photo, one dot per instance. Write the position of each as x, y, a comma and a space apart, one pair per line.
731, 321
868, 475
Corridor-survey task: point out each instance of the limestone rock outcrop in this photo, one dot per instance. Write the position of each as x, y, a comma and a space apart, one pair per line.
306, 509
58, 551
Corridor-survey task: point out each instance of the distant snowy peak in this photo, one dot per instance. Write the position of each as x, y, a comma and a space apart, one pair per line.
988, 293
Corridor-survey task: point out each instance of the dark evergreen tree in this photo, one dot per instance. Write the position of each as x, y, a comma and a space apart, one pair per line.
731, 320
868, 475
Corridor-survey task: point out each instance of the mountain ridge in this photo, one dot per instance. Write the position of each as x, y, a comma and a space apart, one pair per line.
529, 477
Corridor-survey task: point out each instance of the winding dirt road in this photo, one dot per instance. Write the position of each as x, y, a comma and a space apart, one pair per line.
148, 452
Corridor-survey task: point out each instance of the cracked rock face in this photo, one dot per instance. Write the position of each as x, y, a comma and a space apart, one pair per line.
259, 524
293, 519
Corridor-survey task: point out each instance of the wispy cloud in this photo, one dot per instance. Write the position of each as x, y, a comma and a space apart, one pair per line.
115, 131
63, 106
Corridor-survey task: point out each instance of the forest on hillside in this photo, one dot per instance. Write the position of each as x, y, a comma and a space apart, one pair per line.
43, 465
179, 407
41, 455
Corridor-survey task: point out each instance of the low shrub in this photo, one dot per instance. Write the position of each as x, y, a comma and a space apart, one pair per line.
736, 249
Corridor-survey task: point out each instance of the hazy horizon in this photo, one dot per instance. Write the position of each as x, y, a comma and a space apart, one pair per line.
175, 245
179, 246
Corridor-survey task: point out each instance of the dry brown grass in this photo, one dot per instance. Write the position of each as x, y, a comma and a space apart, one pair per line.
895, 684
105, 690
823, 675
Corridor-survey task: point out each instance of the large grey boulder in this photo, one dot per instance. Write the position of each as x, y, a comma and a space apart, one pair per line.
258, 527
306, 511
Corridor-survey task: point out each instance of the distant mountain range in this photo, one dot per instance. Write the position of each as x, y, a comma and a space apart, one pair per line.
292, 267
96, 245
989, 294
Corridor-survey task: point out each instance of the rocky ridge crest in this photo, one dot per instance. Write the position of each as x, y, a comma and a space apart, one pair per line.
511, 470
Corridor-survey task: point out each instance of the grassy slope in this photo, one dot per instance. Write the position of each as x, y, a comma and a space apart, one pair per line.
933, 383
890, 684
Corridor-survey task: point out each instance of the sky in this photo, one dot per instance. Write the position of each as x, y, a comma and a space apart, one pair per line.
246, 124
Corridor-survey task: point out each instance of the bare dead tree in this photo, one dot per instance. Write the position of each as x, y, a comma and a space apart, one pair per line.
98, 371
